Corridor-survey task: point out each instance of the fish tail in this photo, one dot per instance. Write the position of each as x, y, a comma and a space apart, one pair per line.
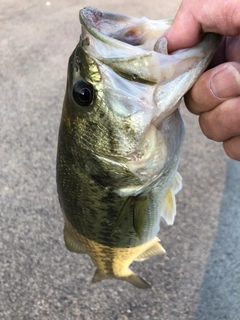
134, 279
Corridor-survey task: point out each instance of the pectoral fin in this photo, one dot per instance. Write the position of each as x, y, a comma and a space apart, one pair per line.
177, 183
169, 207
139, 204
71, 242
154, 250
139, 213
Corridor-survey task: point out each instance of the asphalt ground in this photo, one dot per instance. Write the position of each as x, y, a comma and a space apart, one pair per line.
198, 278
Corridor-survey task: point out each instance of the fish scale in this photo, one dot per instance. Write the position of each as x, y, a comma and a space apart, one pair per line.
120, 139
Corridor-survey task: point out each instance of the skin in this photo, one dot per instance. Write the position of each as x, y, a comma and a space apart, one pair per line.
219, 107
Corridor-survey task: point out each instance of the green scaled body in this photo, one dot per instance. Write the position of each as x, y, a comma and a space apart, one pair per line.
120, 139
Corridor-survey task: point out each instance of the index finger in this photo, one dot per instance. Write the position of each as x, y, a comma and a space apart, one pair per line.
194, 18
185, 31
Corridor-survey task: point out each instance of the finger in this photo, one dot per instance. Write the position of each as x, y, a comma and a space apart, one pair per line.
223, 122
180, 36
232, 148
219, 56
194, 18
232, 49
213, 87
228, 50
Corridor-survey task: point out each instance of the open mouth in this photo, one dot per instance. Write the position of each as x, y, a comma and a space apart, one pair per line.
129, 30
130, 47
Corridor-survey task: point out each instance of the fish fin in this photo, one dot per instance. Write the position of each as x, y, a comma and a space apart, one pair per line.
139, 213
134, 279
71, 242
123, 211
177, 183
99, 275
154, 250
169, 207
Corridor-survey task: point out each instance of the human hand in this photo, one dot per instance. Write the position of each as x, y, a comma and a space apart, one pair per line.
216, 95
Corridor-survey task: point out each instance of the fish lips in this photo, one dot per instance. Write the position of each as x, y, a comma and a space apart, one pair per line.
131, 51
134, 49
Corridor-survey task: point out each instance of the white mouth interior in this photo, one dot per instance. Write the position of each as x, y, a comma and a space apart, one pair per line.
138, 32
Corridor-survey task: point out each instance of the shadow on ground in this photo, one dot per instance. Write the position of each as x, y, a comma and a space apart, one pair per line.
220, 290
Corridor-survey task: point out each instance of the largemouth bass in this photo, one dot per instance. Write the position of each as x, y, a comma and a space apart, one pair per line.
120, 138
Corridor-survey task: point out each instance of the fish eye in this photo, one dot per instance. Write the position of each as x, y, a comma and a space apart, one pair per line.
83, 93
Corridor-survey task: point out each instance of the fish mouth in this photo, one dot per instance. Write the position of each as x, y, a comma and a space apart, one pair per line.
133, 48
131, 51
110, 27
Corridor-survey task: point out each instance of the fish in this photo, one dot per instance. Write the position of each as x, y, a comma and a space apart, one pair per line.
120, 139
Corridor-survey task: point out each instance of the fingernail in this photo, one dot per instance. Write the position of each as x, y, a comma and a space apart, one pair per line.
226, 83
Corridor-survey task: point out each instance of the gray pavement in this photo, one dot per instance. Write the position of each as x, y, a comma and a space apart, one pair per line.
199, 278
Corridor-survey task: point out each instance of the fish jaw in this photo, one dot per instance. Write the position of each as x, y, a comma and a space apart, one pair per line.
142, 55
141, 82
132, 149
